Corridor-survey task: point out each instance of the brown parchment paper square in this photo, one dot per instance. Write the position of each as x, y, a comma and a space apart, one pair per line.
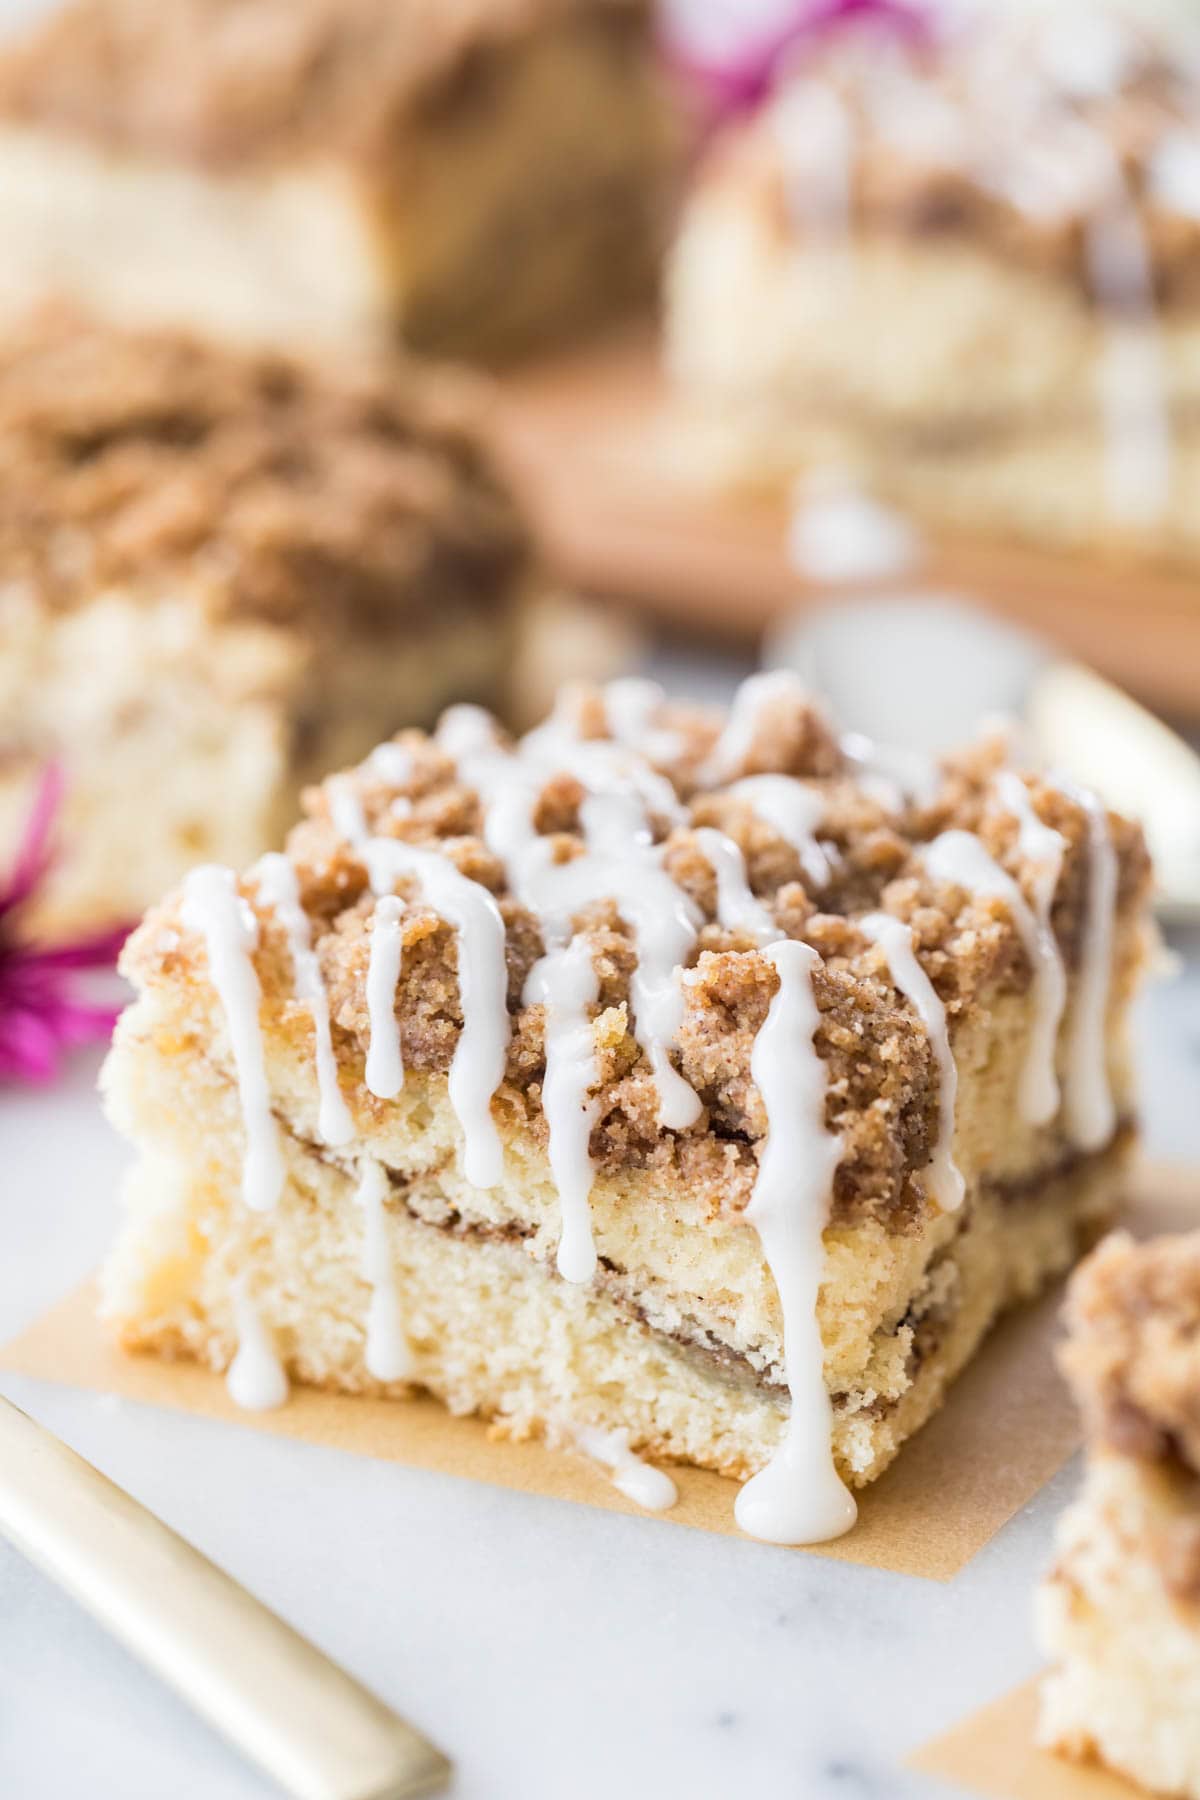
993, 1752
1005, 1428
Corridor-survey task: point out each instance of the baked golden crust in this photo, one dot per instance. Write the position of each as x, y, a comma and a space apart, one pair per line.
984, 137
220, 81
1133, 1354
883, 1077
272, 488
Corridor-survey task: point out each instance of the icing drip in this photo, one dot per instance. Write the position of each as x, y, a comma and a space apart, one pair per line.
345, 809
730, 753
1043, 848
629, 708
278, 887
390, 763
621, 864
477, 1066
959, 858
1132, 381
637, 1480
892, 775
255, 1379
794, 811
1090, 1111
894, 938
815, 133
388, 1354
564, 982
213, 907
737, 908
798, 1498
385, 1064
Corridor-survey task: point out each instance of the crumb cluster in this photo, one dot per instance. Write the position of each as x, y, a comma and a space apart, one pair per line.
264, 485
882, 1074
1133, 1354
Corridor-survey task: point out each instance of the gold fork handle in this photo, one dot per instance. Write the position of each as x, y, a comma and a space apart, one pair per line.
284, 1704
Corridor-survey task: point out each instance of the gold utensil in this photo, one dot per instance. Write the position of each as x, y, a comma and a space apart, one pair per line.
275, 1696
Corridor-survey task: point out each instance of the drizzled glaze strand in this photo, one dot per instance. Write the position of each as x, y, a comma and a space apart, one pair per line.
1043, 849
477, 1066
895, 939
793, 811
799, 1497
752, 701
638, 1480
255, 1379
564, 983
213, 906
388, 1354
959, 859
279, 888
1090, 1111
737, 907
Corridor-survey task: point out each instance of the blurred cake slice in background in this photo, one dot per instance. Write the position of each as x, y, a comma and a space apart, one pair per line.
478, 177
968, 266
1120, 1613
220, 572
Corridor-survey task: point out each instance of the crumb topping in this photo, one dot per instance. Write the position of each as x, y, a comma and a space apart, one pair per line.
882, 1074
220, 81
265, 485
1133, 1352
1027, 134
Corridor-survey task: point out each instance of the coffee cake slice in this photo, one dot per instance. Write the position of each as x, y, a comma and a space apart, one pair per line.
1120, 1612
224, 573
965, 264
476, 177
665, 1082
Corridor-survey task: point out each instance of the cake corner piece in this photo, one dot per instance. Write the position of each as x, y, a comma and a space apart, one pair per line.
1119, 1614
669, 1083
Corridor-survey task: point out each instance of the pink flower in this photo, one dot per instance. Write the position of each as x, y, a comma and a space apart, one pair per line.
741, 80
40, 1013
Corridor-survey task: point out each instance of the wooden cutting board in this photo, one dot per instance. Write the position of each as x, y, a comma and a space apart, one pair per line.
598, 443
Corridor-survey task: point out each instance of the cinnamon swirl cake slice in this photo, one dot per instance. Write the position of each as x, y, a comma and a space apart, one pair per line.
1120, 1613
665, 1081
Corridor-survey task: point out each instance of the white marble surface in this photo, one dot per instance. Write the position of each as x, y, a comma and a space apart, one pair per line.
554, 1651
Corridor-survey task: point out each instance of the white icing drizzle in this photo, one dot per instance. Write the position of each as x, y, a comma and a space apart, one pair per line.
1173, 178
346, 809
892, 775
564, 982
1043, 848
213, 907
388, 1354
390, 763
385, 1063
895, 939
798, 1498
639, 1481
757, 693
1132, 382
630, 705
816, 135
1088, 1101
477, 1066
792, 810
255, 1379
279, 888
737, 907
959, 858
